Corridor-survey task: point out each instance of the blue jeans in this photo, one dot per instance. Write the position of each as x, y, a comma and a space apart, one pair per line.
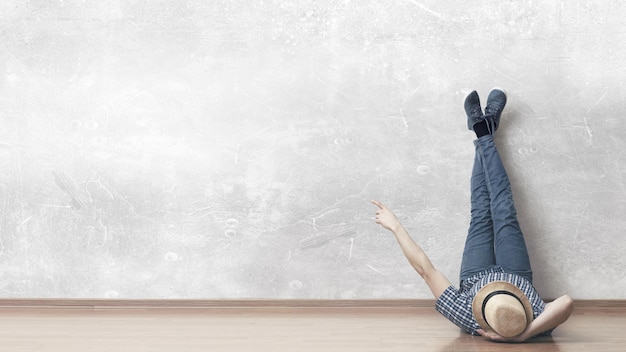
494, 237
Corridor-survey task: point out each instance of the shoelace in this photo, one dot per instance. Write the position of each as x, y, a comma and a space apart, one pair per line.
491, 121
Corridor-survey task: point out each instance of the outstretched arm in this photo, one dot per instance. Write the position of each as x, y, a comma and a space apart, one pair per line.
555, 314
435, 280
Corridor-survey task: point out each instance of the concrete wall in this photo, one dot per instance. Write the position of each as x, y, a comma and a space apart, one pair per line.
229, 149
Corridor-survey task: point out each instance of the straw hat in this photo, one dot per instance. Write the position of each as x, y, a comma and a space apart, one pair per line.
502, 307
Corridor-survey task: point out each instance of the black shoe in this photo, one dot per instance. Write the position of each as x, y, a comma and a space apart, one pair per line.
495, 104
473, 109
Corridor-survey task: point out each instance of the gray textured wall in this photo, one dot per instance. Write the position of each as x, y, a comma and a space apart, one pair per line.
228, 149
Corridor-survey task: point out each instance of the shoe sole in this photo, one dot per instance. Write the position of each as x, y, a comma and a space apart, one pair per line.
500, 89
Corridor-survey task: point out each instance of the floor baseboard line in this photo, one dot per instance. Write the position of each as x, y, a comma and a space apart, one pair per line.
248, 303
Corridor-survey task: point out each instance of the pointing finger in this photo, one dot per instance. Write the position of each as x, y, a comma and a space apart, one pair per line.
378, 204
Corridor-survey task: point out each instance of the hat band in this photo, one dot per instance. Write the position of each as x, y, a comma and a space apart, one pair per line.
499, 292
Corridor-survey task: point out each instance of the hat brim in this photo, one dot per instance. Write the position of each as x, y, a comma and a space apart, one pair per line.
495, 286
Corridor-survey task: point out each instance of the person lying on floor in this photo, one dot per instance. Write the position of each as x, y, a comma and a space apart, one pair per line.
496, 297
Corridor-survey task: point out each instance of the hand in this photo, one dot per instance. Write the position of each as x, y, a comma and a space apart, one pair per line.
385, 217
498, 338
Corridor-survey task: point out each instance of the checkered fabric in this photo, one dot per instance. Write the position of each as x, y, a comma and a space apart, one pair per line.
456, 305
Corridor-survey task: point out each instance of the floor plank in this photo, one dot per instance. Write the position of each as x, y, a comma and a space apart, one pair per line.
282, 329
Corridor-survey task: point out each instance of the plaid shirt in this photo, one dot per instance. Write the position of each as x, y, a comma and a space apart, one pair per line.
456, 305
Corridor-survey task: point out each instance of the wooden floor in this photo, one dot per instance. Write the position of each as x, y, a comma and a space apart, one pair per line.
282, 329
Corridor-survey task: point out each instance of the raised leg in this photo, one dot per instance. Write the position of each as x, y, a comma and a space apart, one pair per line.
479, 253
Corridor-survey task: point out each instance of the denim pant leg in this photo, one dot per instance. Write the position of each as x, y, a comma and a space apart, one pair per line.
478, 254
510, 247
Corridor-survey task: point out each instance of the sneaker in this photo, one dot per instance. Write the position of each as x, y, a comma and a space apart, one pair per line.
473, 109
495, 104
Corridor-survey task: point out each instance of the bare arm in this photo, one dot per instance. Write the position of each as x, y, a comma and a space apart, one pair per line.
435, 280
555, 314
